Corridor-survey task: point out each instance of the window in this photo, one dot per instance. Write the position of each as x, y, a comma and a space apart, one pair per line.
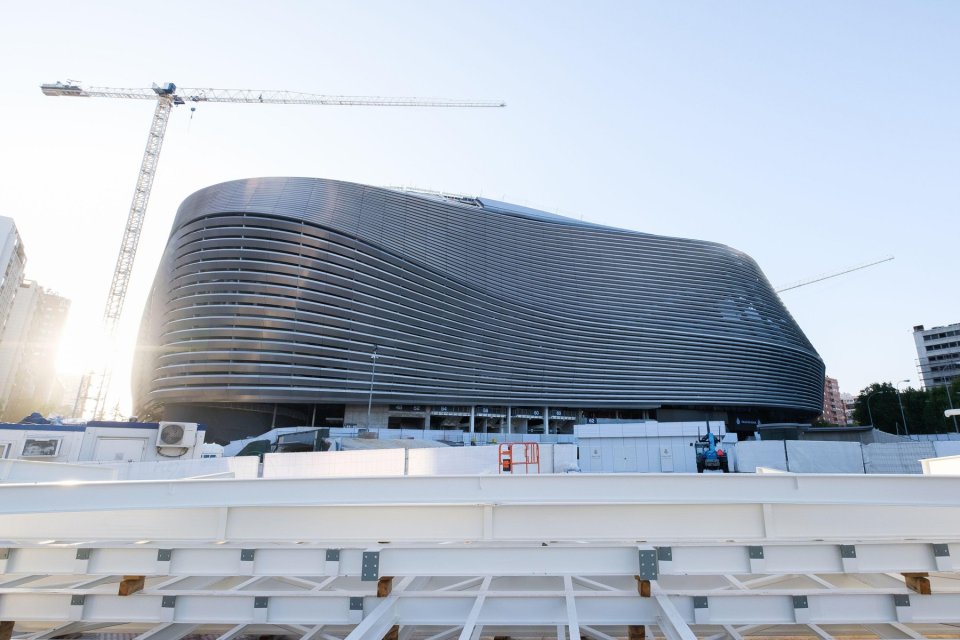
41, 447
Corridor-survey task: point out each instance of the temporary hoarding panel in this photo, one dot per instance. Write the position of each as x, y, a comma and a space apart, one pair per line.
761, 453
896, 457
813, 456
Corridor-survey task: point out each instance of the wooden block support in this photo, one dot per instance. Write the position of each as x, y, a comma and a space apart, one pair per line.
393, 634
919, 582
643, 587
130, 585
636, 632
6, 630
384, 586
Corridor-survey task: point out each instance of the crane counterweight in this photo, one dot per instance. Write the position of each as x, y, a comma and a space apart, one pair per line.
60, 89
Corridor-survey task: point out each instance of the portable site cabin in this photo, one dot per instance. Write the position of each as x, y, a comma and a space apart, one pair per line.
102, 441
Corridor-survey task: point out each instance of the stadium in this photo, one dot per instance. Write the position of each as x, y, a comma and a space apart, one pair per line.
302, 301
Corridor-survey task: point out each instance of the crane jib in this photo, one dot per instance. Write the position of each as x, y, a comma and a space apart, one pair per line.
254, 96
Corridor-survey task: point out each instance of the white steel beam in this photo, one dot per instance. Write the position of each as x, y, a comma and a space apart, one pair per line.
907, 631
733, 633
881, 580
296, 629
446, 633
595, 584
232, 633
734, 582
313, 633
305, 583
823, 635
553, 553
463, 584
19, 582
596, 634
820, 581
893, 631
671, 623
172, 631
531, 607
89, 582
666, 507
324, 583
573, 623
376, 624
805, 557
164, 584
765, 581
63, 630
470, 623
504, 558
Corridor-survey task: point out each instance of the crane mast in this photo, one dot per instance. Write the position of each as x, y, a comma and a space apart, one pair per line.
91, 397
95, 384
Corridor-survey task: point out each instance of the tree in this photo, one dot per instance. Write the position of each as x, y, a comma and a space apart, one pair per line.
877, 405
923, 409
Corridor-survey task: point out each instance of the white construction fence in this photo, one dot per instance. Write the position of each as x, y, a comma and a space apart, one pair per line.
644, 447
812, 456
482, 460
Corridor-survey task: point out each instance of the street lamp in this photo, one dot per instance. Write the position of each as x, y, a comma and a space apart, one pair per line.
373, 372
900, 402
870, 413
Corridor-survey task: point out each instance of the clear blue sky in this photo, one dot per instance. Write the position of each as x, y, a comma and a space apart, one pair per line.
811, 135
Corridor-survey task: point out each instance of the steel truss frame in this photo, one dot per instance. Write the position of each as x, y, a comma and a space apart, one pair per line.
511, 567
679, 608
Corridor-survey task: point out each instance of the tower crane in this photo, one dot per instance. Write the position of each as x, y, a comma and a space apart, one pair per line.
94, 385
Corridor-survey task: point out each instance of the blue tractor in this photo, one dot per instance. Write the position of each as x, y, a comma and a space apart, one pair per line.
709, 456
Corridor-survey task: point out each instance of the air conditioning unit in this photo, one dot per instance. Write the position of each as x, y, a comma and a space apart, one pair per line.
178, 435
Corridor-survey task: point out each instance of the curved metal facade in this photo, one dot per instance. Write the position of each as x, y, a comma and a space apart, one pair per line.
276, 290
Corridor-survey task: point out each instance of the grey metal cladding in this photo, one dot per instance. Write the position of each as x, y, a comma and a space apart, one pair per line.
277, 289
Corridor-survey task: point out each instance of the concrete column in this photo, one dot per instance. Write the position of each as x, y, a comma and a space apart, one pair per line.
509, 420
546, 420
473, 418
